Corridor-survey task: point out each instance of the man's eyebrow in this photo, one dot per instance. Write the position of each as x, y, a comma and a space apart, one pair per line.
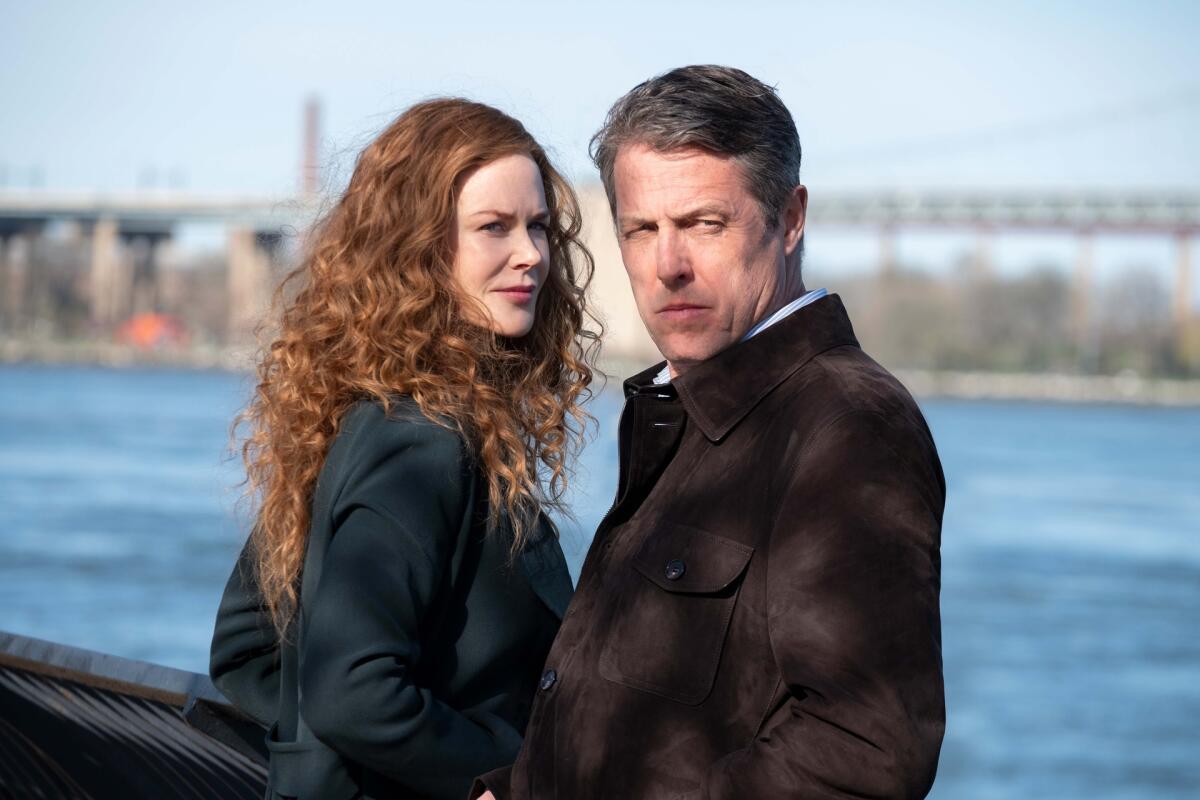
705, 210
631, 222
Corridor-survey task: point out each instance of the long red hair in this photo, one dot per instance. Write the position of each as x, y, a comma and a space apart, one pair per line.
376, 312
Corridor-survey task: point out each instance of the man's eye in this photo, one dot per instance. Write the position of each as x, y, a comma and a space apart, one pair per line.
640, 229
711, 224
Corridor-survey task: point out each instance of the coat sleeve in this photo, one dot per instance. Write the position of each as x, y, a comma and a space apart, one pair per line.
396, 521
498, 782
853, 581
244, 658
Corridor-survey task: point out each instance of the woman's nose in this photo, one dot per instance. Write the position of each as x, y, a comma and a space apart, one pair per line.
526, 253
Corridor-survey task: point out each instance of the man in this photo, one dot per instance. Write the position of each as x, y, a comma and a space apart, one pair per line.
758, 614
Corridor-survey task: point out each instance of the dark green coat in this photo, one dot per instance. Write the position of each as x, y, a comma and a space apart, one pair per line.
418, 646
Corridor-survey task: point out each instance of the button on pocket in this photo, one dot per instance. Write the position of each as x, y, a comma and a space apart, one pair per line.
675, 605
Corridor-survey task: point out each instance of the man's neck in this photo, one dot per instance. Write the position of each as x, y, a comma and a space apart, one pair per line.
789, 295
677, 368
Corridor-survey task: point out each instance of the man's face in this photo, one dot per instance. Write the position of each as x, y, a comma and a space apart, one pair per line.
703, 262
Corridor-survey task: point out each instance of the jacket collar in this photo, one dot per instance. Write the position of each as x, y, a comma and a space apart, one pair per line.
720, 392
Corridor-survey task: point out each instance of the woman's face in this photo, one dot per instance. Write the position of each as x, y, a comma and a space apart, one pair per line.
501, 250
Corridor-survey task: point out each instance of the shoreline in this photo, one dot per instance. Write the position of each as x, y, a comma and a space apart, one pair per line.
1121, 389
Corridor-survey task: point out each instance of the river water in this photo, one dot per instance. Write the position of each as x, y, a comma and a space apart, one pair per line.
1071, 562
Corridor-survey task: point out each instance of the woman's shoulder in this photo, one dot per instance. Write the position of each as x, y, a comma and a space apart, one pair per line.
402, 420
371, 437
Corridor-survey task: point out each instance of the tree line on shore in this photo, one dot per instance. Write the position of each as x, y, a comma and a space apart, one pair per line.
907, 318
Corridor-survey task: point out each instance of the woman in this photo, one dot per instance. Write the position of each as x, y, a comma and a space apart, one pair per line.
392, 609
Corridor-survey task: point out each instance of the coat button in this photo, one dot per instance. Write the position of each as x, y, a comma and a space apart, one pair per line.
549, 678
675, 569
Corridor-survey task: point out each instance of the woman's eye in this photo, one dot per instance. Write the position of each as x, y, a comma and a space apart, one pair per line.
539, 226
493, 227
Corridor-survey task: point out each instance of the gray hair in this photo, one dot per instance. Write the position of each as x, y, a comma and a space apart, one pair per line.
719, 109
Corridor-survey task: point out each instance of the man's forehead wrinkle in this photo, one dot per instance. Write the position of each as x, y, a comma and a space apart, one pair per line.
677, 185
685, 188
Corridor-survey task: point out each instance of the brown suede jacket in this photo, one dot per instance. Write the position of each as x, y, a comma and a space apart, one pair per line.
758, 614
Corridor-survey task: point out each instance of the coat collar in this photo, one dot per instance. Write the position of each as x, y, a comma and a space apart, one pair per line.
720, 392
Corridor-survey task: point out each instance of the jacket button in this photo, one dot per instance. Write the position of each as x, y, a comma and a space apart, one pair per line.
549, 678
675, 569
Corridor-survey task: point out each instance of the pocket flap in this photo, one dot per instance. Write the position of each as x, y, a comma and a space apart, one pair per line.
687, 560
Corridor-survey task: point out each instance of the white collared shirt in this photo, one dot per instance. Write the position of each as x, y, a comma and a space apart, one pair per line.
664, 376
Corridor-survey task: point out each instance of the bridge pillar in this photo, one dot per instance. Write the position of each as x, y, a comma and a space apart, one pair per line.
146, 252
143, 291
981, 261
1081, 299
248, 279
14, 280
887, 251
1183, 279
168, 286
1187, 336
110, 277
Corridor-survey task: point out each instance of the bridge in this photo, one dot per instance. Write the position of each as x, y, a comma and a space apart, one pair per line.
126, 235
1162, 212
154, 210
987, 213
1086, 214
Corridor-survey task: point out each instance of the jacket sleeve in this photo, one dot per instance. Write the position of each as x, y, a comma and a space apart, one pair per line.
244, 658
498, 782
396, 520
853, 581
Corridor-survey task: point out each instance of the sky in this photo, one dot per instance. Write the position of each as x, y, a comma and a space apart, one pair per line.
209, 97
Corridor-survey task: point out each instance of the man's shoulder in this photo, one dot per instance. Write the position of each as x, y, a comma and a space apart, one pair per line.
853, 381
845, 406
844, 383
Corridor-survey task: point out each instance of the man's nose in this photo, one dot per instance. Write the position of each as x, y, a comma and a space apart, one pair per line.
672, 260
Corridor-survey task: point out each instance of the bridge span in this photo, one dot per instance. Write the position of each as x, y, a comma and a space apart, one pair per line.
127, 233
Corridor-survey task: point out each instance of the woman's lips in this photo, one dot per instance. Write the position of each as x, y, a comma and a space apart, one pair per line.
518, 294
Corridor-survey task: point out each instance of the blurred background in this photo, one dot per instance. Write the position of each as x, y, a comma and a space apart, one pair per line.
1006, 196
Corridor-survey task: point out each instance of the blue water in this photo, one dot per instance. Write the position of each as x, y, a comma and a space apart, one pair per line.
1071, 562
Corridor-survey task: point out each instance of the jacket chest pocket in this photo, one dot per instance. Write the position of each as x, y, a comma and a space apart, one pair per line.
674, 612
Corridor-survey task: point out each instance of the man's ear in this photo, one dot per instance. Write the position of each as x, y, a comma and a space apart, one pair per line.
793, 219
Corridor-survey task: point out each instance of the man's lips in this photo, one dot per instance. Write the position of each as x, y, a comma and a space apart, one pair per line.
682, 311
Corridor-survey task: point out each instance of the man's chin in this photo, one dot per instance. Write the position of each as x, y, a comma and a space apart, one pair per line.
683, 355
